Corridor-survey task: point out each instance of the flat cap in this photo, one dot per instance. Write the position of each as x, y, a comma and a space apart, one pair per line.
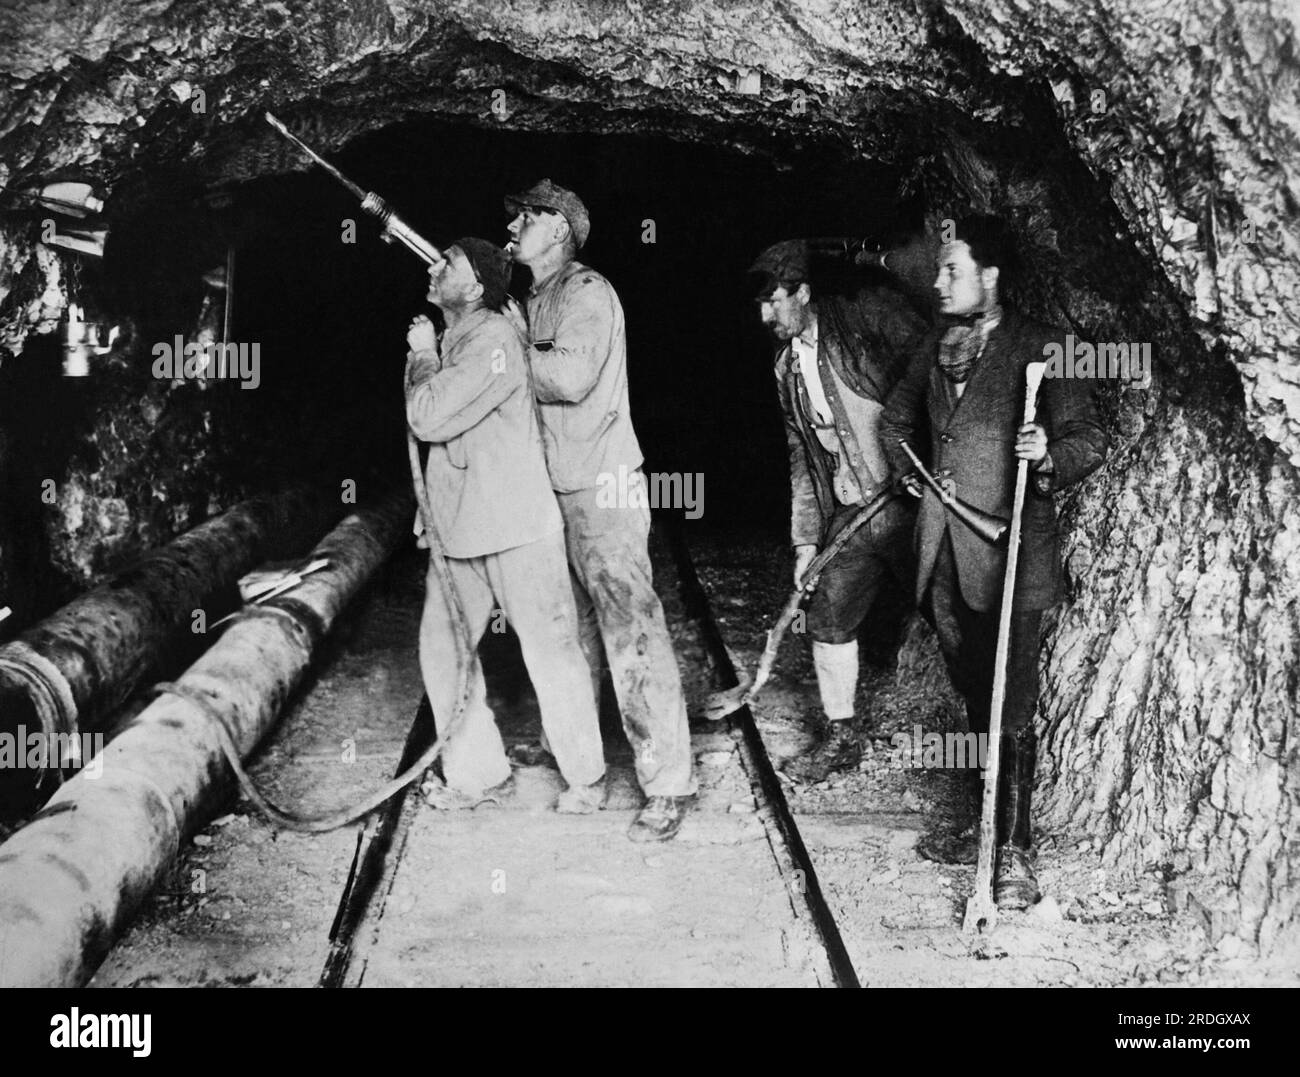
784, 263
561, 200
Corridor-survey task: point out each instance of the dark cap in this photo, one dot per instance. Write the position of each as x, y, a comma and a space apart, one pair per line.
491, 266
552, 196
784, 263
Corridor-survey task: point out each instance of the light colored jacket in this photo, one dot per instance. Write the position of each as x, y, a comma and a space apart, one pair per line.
486, 475
578, 356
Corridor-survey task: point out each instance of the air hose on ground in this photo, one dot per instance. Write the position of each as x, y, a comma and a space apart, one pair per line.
465, 657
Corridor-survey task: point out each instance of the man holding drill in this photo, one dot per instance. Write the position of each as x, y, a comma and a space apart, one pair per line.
468, 396
577, 351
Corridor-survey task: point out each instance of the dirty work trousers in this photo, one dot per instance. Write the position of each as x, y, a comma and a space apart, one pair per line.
617, 606
850, 583
969, 641
530, 584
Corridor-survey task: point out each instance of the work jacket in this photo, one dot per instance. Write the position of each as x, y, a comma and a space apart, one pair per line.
485, 476
972, 443
578, 356
865, 343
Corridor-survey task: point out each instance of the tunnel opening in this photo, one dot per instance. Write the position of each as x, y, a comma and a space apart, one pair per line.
676, 226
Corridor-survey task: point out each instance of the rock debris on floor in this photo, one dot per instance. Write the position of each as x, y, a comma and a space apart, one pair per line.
516, 895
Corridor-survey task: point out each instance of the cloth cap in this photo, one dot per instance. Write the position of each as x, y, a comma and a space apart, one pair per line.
491, 266
784, 263
552, 196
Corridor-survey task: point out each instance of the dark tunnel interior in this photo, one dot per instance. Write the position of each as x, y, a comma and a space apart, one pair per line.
675, 227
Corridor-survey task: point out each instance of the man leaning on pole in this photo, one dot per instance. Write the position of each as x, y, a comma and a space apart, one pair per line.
973, 395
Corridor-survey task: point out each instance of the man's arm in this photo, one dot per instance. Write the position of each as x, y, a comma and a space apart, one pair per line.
1076, 440
443, 404
570, 368
805, 514
904, 409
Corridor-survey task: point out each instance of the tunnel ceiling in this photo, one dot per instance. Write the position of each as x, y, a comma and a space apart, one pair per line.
1185, 117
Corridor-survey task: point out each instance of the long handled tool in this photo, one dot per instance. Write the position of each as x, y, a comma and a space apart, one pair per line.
394, 227
718, 705
981, 910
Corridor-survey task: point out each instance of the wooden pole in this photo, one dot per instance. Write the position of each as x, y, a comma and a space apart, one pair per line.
981, 909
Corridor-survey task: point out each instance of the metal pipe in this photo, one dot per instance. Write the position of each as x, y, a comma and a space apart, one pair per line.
67, 673
992, 529
71, 880
227, 323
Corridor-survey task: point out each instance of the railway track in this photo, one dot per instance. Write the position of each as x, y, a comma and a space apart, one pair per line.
384, 840
518, 895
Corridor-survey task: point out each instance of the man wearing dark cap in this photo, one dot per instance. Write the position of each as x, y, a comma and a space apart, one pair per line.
468, 396
578, 355
837, 359
971, 395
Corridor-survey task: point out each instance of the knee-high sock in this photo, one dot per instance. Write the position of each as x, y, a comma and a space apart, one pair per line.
837, 677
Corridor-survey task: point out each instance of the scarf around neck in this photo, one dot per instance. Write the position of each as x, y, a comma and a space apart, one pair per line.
963, 343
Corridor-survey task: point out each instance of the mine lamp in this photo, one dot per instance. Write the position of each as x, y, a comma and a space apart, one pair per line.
81, 340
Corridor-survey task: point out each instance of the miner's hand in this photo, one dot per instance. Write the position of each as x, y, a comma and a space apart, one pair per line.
1031, 443
912, 484
421, 336
803, 557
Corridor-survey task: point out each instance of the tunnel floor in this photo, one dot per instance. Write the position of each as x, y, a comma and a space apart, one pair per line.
516, 895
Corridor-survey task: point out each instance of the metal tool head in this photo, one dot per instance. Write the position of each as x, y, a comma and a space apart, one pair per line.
1033, 379
717, 705
981, 913
992, 528
357, 191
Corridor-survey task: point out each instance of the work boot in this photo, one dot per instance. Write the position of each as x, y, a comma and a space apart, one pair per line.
1014, 883
533, 755
959, 846
582, 799
530, 755
659, 819
838, 750
444, 797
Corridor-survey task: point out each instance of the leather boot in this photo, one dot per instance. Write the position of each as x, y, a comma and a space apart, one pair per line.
1014, 883
837, 681
959, 846
839, 750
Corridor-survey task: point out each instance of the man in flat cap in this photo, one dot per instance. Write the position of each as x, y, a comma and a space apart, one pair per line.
577, 351
468, 396
837, 358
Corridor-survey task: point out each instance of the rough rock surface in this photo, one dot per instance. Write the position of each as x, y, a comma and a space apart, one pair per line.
1146, 151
